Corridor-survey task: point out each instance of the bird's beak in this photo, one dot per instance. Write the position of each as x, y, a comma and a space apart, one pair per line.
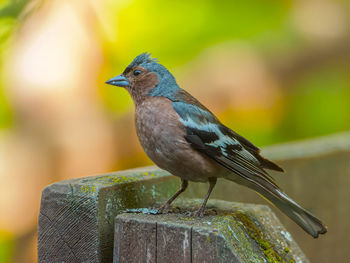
119, 81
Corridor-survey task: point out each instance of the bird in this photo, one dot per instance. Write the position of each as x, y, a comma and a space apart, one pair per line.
180, 135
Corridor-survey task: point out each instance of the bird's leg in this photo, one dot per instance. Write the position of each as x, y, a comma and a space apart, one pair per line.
212, 182
184, 184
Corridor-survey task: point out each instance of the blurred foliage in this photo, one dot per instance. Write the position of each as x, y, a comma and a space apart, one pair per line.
6, 247
12, 8
318, 105
9, 13
195, 24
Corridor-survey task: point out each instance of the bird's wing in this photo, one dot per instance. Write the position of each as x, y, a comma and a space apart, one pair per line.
188, 107
207, 135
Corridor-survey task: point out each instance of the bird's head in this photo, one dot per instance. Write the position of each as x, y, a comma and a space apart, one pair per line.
145, 77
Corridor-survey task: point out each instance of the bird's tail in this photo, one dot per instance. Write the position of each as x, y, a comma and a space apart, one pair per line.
299, 215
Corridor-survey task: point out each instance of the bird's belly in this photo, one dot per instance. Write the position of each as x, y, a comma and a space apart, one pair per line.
161, 134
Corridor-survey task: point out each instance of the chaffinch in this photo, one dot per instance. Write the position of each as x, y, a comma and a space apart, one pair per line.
182, 136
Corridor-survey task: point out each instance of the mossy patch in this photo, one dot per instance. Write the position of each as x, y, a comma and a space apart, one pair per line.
88, 189
123, 177
236, 238
269, 249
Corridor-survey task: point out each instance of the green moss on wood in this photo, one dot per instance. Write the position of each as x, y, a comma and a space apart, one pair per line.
272, 254
235, 235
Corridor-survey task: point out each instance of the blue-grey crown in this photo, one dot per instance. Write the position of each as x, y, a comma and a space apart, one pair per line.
141, 59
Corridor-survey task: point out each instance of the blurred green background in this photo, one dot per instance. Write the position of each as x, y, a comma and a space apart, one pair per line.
272, 70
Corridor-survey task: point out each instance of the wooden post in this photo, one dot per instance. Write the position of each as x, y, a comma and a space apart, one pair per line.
76, 220
230, 232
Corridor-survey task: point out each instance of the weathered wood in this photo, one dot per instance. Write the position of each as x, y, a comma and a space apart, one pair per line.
230, 232
138, 237
173, 243
76, 219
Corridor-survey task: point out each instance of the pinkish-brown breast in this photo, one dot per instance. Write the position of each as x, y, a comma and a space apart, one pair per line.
161, 134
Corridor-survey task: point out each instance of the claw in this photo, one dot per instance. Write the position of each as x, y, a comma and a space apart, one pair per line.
199, 213
161, 210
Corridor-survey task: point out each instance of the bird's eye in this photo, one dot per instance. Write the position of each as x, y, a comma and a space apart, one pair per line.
137, 72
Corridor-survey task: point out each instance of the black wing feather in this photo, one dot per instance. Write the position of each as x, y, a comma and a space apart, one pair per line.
237, 164
206, 134
265, 163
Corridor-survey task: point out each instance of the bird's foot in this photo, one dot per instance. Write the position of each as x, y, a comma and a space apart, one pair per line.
199, 213
159, 211
162, 209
